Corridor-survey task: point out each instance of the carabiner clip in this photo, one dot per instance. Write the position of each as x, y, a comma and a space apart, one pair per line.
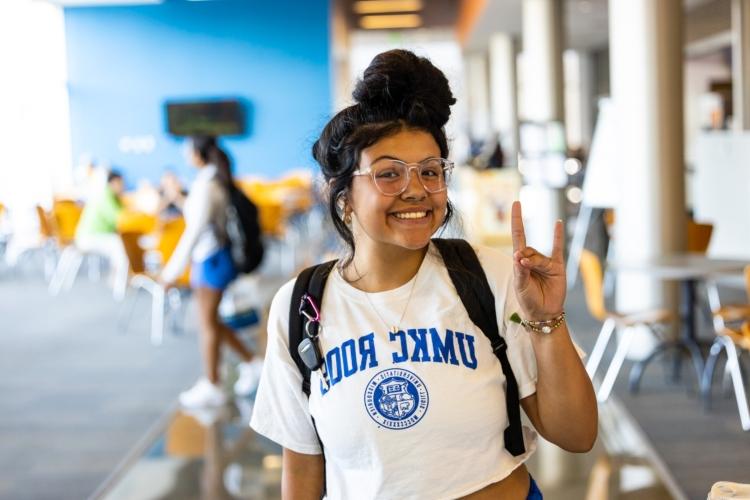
308, 325
305, 300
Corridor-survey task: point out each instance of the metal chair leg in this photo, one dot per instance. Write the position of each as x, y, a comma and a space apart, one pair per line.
157, 315
614, 368
600, 346
726, 381
72, 272
636, 373
158, 299
733, 361
174, 308
58, 276
697, 358
708, 372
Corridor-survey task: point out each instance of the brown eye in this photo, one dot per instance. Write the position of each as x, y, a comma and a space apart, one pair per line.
388, 173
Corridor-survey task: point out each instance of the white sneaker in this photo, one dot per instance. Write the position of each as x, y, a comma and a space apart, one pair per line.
203, 394
249, 377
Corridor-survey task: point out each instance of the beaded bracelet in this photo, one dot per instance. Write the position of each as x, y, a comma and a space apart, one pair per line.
545, 326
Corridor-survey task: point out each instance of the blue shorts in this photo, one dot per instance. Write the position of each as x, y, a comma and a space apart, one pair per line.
534, 492
215, 272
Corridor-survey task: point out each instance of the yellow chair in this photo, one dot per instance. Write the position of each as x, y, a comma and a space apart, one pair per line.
46, 229
592, 277
279, 204
136, 222
732, 326
66, 214
698, 236
141, 279
169, 234
62, 225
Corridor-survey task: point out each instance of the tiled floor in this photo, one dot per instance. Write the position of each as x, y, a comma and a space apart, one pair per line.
208, 454
214, 455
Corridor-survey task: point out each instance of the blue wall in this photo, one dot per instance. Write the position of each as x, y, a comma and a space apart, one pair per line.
124, 62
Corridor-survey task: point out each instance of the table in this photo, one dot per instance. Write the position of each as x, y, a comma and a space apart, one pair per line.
688, 269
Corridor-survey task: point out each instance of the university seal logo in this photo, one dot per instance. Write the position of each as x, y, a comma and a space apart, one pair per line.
396, 398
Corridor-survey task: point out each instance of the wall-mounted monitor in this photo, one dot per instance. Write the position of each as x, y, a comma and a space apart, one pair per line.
216, 117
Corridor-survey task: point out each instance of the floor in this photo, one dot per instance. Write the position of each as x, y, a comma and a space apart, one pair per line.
77, 391
214, 455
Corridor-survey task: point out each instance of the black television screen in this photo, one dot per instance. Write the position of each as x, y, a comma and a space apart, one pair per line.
215, 118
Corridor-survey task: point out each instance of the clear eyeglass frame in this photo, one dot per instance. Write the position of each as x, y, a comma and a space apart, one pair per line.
446, 166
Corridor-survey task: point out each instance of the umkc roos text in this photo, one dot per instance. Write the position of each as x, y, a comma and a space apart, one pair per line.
420, 345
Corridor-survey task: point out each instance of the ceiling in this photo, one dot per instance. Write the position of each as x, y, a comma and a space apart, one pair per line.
434, 14
587, 21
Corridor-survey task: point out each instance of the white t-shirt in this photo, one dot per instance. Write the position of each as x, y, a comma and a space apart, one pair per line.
205, 222
417, 414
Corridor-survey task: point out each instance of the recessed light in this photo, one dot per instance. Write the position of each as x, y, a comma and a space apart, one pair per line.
383, 6
390, 22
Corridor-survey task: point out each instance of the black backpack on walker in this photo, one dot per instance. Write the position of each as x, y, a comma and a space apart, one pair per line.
243, 232
472, 287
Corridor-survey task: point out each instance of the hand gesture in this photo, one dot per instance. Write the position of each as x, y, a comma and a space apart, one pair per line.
539, 280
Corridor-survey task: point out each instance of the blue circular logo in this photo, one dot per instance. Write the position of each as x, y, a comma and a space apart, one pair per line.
396, 398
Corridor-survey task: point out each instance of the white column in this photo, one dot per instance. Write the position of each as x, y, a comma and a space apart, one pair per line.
503, 93
542, 49
542, 96
579, 98
477, 81
741, 63
646, 70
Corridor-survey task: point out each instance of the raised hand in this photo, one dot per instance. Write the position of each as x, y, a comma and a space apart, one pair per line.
539, 280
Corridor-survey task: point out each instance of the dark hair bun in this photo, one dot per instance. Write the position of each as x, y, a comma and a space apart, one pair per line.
400, 85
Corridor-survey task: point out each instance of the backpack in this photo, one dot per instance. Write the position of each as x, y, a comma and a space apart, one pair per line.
243, 232
472, 287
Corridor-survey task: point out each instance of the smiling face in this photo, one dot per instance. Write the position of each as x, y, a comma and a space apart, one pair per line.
408, 220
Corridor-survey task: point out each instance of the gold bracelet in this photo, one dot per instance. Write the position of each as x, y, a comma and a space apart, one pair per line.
545, 326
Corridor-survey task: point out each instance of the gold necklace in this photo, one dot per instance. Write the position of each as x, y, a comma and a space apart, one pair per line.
397, 327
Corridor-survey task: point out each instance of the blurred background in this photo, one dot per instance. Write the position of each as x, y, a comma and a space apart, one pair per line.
627, 119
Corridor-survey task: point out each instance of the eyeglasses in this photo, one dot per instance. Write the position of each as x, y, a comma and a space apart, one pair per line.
392, 177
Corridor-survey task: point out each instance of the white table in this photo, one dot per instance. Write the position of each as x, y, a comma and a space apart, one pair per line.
688, 269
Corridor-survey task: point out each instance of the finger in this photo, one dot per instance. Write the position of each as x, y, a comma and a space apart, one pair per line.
525, 252
537, 262
516, 227
558, 242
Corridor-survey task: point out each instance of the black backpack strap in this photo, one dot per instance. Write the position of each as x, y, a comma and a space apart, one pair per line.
472, 286
311, 281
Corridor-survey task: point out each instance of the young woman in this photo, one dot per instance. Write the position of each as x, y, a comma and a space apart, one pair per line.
394, 332
204, 242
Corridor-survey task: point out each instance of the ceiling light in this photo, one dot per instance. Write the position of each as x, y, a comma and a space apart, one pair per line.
381, 6
572, 166
390, 22
574, 194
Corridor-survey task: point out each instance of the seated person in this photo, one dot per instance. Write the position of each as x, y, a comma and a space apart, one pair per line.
172, 196
97, 230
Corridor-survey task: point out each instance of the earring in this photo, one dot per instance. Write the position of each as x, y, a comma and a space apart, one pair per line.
348, 218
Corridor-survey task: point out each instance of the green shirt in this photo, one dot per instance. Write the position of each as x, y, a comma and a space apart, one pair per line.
100, 214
